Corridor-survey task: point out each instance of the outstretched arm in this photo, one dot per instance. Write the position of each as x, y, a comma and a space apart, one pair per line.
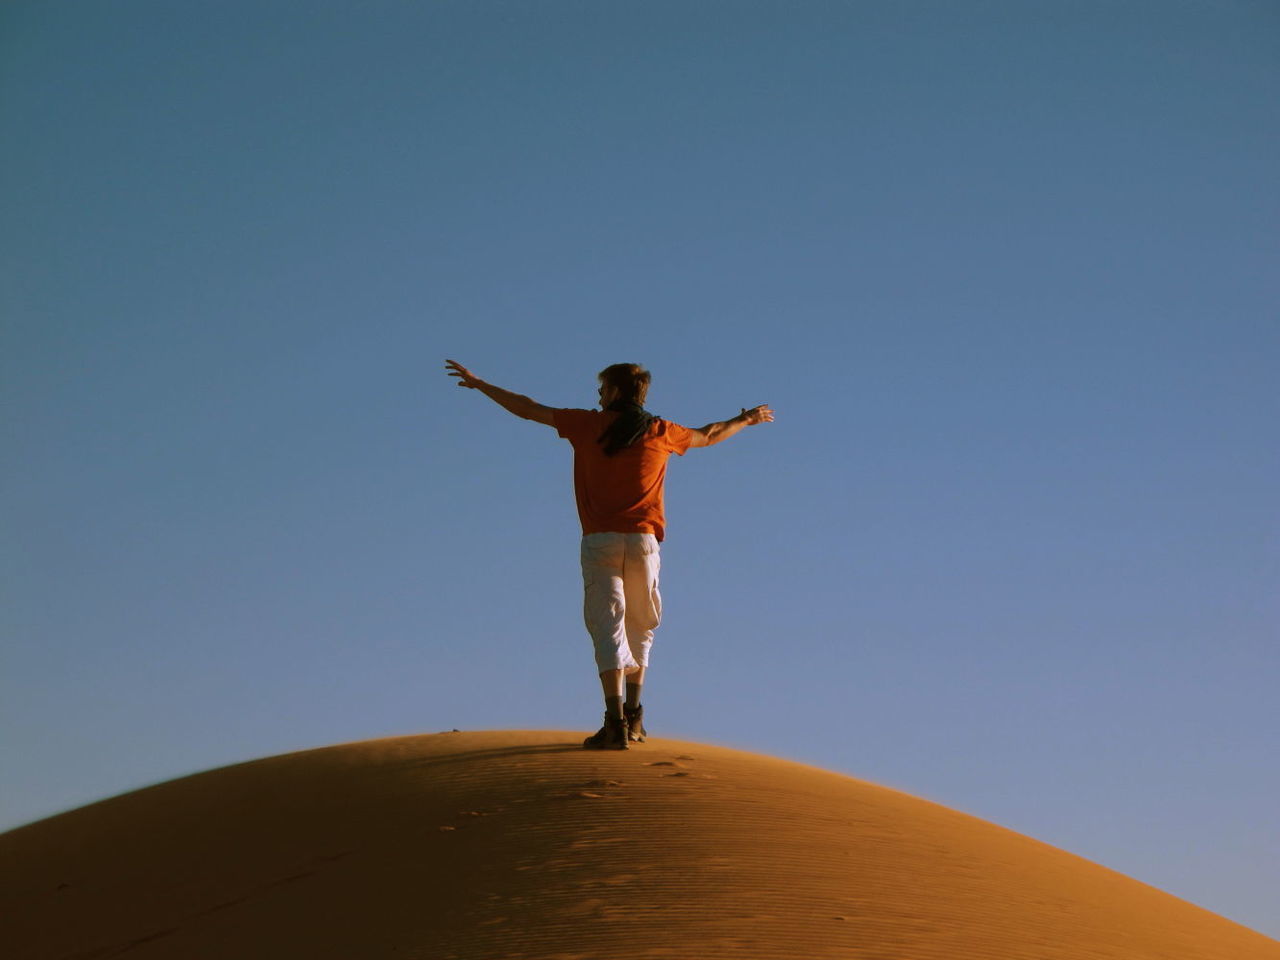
724, 429
516, 403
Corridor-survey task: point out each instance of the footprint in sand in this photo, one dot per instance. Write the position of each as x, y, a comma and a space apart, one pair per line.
671, 763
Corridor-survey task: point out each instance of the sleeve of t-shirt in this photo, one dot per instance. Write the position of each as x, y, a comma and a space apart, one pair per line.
570, 423
678, 438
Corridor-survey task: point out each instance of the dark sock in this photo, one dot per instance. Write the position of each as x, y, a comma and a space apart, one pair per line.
633, 695
613, 707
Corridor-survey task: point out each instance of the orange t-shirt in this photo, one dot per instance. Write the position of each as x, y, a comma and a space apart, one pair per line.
622, 493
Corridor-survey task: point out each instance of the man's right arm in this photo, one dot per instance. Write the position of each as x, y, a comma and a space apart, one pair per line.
724, 429
516, 403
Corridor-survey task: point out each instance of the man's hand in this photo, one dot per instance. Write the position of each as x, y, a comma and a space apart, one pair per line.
760, 414
465, 377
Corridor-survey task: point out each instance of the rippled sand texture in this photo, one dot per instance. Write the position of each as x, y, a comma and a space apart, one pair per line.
520, 844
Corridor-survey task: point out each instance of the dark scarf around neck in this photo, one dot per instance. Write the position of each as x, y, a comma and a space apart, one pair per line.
632, 423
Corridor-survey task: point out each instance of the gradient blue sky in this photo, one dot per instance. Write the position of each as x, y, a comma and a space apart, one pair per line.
1005, 270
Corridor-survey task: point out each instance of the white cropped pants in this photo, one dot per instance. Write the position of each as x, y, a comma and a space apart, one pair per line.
621, 604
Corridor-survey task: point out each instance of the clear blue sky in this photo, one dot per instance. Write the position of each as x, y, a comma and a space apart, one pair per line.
1005, 270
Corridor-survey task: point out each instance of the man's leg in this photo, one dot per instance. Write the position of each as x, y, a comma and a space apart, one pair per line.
611, 684
604, 602
635, 680
613, 734
643, 615
604, 612
632, 709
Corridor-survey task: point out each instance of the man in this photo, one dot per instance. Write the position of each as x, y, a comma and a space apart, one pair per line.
619, 467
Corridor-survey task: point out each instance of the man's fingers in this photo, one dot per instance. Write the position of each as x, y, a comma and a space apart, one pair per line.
465, 377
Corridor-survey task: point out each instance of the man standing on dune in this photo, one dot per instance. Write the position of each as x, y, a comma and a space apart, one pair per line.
619, 468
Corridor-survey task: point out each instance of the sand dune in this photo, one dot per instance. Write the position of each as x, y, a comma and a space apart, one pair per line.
522, 845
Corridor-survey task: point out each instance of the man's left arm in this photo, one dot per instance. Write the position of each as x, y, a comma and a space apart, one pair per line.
517, 403
724, 429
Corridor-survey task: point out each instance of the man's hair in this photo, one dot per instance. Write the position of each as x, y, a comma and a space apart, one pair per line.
630, 379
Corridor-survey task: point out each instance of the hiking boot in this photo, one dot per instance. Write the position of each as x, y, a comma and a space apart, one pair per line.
612, 736
635, 723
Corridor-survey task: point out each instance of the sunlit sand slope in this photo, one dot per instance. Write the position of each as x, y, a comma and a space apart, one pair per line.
522, 845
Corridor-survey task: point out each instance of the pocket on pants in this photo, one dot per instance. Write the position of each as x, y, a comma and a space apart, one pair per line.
600, 552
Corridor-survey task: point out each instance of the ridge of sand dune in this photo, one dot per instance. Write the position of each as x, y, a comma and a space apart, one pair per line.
520, 844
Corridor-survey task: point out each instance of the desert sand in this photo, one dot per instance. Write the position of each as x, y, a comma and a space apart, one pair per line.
520, 844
